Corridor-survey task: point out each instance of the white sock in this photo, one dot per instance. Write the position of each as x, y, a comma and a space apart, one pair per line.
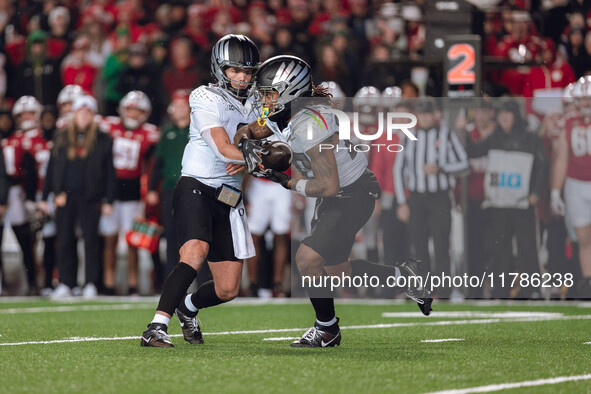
161, 319
189, 304
327, 323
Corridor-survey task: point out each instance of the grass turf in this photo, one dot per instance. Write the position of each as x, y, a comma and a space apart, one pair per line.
369, 359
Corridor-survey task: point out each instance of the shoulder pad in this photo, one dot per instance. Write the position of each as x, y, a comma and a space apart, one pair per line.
207, 93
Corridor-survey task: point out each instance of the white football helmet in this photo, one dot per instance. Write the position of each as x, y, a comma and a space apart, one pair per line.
567, 93
367, 102
138, 100
27, 104
391, 96
334, 89
367, 95
582, 95
68, 94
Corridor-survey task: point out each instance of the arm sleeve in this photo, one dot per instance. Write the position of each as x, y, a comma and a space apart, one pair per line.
206, 109
206, 113
454, 157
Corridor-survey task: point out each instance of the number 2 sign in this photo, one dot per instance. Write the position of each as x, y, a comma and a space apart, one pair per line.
463, 72
462, 66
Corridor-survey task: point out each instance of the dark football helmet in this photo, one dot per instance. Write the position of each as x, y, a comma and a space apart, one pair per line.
233, 50
289, 76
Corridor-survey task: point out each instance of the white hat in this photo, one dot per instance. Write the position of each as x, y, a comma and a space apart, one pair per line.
85, 101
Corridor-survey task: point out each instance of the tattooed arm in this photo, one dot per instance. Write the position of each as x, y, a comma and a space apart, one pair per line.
252, 131
325, 182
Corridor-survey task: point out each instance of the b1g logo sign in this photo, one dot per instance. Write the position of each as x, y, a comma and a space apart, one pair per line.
501, 179
507, 178
387, 123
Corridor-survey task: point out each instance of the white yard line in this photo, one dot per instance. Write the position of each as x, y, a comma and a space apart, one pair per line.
501, 315
441, 340
75, 308
584, 343
505, 386
359, 327
281, 339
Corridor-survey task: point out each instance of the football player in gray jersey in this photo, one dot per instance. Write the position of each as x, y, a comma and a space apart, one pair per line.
207, 203
345, 189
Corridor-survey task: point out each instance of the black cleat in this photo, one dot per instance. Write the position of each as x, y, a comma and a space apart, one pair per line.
425, 306
317, 336
416, 290
191, 329
156, 336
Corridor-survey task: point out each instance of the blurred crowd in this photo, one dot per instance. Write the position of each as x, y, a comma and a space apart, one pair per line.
111, 47
123, 68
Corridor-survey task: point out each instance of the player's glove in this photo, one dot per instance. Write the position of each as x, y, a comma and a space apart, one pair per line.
250, 150
556, 203
274, 176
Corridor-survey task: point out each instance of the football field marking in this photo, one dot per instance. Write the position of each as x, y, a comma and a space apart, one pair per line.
502, 315
584, 343
281, 339
358, 327
505, 386
441, 340
75, 308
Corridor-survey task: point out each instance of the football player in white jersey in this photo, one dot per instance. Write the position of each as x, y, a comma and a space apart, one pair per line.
207, 207
345, 188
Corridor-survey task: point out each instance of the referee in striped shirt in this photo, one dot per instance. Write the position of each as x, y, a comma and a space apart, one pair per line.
425, 169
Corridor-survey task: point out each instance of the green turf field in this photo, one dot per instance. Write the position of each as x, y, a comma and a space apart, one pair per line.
378, 354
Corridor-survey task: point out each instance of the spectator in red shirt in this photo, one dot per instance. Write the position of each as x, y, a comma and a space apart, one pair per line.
521, 46
76, 68
103, 14
127, 19
554, 73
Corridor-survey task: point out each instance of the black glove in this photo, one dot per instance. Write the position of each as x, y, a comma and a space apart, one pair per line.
273, 176
250, 150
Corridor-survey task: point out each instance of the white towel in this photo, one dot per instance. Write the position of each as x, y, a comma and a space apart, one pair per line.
243, 245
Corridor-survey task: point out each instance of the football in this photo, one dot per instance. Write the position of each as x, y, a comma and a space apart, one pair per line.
279, 156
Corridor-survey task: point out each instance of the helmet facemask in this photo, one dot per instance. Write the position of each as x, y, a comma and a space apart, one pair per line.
234, 51
269, 103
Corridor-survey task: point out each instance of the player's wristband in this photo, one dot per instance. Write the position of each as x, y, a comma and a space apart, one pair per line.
301, 187
555, 194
